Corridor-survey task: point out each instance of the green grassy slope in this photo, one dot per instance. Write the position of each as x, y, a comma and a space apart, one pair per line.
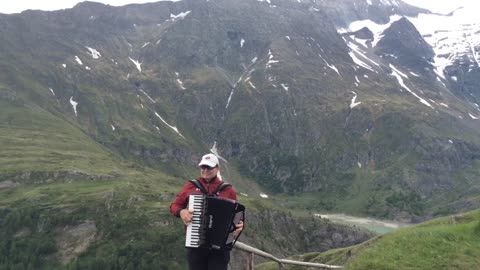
445, 243
36, 141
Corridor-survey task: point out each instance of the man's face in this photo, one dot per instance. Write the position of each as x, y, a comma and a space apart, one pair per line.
208, 172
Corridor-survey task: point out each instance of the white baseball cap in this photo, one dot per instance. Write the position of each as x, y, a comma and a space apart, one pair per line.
209, 160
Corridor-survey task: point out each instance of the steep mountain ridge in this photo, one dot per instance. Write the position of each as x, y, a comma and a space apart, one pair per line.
279, 89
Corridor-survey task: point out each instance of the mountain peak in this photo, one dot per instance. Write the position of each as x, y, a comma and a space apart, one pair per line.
404, 41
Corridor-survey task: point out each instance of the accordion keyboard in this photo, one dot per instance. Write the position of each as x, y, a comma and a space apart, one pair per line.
195, 236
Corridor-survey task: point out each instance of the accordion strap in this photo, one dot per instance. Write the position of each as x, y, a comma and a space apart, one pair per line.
220, 188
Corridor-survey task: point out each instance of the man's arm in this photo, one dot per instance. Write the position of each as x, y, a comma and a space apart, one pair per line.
180, 201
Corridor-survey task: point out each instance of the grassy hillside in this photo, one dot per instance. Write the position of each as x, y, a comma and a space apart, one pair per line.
34, 140
446, 243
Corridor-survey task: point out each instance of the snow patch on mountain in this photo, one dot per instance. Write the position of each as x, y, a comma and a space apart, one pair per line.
377, 29
230, 98
363, 42
74, 105
333, 67
400, 76
414, 74
474, 117
180, 15
170, 126
180, 84
353, 54
137, 64
454, 38
78, 60
271, 59
354, 104
94, 53
145, 93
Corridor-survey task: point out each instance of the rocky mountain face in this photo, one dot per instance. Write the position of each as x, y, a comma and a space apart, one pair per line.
403, 41
342, 99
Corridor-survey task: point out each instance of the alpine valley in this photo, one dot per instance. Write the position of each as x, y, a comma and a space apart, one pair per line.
364, 107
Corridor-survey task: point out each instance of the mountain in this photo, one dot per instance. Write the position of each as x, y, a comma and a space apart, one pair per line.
284, 91
340, 106
455, 41
428, 54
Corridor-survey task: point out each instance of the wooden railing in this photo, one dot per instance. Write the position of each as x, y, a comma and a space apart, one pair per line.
252, 251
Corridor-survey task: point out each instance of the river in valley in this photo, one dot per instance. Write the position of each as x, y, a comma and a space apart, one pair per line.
375, 225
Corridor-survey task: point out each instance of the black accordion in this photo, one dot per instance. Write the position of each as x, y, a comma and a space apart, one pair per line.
213, 222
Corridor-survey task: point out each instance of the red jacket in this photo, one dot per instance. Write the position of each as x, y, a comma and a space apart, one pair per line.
181, 201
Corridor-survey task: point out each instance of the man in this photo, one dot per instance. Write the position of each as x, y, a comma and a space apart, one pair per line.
203, 258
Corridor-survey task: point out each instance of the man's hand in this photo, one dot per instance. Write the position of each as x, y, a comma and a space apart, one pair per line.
186, 216
239, 228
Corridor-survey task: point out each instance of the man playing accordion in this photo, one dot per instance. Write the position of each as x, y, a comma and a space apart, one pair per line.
209, 184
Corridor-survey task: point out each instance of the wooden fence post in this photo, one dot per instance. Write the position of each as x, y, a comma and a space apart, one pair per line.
250, 261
